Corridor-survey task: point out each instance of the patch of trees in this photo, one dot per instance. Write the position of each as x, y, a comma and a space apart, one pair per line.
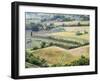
39, 26
81, 33
79, 62
30, 58
36, 26
85, 17
42, 45
50, 26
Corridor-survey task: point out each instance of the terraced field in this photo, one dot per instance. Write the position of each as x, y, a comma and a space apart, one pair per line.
63, 39
58, 48
71, 34
56, 39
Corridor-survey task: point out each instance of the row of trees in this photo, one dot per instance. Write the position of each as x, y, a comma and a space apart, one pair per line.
42, 45
62, 17
81, 33
40, 26
64, 43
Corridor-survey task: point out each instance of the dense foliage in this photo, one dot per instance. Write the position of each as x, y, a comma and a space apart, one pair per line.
30, 58
81, 61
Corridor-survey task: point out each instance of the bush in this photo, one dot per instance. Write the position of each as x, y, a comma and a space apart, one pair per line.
85, 32
43, 44
67, 65
81, 61
35, 48
50, 44
56, 65
79, 33
34, 60
27, 56
30, 58
78, 24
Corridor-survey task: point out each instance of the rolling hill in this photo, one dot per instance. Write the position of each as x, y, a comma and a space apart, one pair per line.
54, 55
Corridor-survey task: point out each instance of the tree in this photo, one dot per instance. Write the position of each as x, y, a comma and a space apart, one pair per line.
43, 44
57, 65
79, 33
78, 23
36, 26
85, 32
50, 44
35, 48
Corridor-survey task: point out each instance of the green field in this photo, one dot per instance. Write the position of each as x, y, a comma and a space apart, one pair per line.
67, 39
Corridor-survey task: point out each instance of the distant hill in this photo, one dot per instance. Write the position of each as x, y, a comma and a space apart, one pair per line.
46, 21
58, 29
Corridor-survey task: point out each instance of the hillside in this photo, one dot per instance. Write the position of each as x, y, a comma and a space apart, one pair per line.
84, 50
54, 55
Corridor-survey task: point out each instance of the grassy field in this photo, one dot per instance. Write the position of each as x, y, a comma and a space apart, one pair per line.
71, 34
56, 40
67, 39
55, 55
65, 48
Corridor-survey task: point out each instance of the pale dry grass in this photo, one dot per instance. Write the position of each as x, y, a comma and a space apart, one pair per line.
54, 55
84, 50
71, 34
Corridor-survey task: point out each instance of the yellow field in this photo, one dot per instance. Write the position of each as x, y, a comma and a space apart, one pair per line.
54, 55
71, 34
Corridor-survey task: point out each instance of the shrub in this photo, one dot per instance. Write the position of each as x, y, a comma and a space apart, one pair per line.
35, 48
30, 58
67, 65
81, 61
79, 24
27, 56
85, 32
56, 65
50, 44
79, 33
34, 60
43, 44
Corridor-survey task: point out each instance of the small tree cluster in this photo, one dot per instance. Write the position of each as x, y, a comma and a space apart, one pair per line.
30, 58
81, 61
79, 33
